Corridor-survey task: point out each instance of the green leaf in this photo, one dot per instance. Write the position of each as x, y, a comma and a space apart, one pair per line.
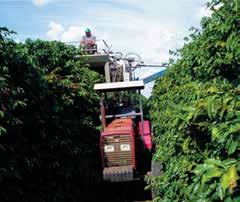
211, 173
225, 182
1, 114
19, 103
237, 199
229, 179
185, 145
215, 162
215, 133
2, 131
2, 79
228, 199
234, 128
232, 147
220, 191
200, 169
229, 162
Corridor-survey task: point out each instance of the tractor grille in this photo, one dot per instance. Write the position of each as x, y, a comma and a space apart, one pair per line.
117, 157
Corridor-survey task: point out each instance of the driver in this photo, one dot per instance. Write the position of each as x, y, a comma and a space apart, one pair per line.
88, 41
126, 108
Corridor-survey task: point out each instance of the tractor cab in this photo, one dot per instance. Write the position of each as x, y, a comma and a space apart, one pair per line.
125, 141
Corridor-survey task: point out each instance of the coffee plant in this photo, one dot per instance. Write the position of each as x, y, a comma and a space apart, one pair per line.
48, 119
195, 109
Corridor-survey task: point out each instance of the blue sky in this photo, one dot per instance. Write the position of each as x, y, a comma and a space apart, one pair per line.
148, 27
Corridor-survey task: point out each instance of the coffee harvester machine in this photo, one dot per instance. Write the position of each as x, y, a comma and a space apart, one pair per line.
125, 140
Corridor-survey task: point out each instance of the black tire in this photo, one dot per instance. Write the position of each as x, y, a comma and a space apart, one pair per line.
156, 170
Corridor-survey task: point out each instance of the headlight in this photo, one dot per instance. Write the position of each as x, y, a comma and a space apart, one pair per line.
125, 147
108, 148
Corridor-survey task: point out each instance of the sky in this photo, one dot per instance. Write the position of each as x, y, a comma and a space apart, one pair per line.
148, 27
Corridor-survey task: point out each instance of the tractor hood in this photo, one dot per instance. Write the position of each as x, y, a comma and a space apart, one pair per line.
119, 126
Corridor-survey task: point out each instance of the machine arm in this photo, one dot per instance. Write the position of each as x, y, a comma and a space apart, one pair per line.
144, 65
153, 77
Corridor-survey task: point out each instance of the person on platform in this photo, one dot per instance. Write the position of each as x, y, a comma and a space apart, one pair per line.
88, 42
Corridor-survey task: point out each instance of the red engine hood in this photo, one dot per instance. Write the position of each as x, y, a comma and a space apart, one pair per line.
119, 126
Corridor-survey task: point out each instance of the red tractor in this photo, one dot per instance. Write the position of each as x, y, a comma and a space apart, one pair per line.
125, 141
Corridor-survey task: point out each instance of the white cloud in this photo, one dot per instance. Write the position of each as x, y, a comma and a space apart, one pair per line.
40, 2
55, 31
70, 34
73, 33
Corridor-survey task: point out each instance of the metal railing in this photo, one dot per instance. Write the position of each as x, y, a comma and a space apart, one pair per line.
102, 46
